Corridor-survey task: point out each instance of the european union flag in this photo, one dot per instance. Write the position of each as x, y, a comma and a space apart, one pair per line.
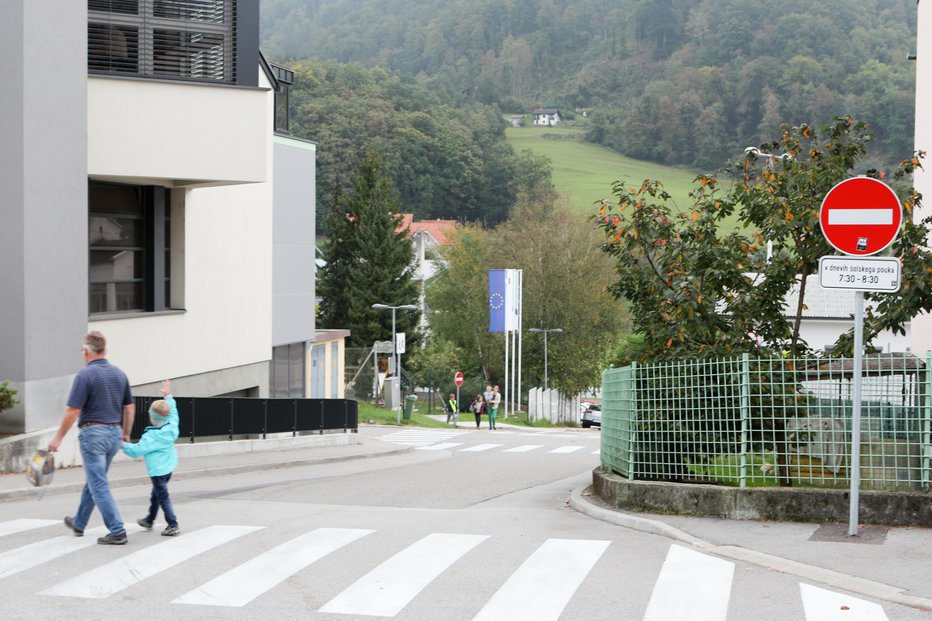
496, 300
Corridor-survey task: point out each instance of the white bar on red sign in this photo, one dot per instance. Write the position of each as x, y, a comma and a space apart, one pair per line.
860, 216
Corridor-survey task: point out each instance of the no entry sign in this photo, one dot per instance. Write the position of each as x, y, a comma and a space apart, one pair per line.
458, 378
860, 216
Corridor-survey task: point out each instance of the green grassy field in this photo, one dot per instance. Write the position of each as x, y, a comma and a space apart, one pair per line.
584, 172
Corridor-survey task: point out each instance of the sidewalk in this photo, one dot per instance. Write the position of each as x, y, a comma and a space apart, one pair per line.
212, 459
890, 564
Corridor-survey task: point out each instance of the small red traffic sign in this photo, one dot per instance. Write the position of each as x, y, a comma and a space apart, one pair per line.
458, 378
860, 216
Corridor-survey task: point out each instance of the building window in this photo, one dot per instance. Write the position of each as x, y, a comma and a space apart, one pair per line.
285, 78
287, 379
171, 39
281, 109
129, 240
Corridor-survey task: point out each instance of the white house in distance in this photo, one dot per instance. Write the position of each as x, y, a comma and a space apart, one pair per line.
829, 313
546, 116
425, 235
921, 340
154, 194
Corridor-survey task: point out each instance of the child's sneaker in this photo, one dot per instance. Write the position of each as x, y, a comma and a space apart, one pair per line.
144, 523
171, 531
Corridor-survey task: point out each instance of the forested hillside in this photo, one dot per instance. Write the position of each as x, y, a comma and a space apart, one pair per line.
445, 162
676, 81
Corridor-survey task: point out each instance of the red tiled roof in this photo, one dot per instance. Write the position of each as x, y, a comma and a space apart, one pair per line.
438, 229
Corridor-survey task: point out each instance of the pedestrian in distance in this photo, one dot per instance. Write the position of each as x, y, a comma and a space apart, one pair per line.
102, 404
487, 396
157, 447
477, 407
451, 408
493, 406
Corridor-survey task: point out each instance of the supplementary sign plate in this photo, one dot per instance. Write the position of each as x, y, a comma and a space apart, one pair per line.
879, 274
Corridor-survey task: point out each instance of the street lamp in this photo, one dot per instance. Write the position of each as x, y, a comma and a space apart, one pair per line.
396, 397
546, 331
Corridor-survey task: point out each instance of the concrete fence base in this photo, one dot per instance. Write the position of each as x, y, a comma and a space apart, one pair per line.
787, 504
14, 451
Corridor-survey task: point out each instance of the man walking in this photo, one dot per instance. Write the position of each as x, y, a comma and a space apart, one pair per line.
102, 403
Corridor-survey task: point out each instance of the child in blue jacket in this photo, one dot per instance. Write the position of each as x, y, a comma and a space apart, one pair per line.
157, 445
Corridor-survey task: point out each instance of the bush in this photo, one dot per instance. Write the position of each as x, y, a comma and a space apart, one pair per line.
7, 396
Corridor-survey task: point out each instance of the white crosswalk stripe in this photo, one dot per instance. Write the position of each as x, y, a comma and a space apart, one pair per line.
419, 437
566, 449
691, 586
830, 606
11, 527
524, 448
479, 448
388, 588
440, 447
136, 567
34, 554
538, 591
245, 583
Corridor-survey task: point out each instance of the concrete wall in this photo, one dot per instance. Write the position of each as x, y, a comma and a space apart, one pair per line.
781, 503
174, 131
293, 230
43, 239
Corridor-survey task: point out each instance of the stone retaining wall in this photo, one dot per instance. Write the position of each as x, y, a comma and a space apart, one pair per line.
786, 504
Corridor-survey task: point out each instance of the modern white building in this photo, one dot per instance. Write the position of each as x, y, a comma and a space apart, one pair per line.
921, 341
154, 194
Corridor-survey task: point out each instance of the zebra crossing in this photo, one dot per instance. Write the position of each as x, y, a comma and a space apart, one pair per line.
445, 440
690, 584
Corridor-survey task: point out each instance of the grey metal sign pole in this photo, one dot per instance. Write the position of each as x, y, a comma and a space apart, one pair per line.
854, 495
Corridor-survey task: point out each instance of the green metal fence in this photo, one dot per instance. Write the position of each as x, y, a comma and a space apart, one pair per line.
768, 421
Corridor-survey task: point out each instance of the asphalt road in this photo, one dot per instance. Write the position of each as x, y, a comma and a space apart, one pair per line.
468, 525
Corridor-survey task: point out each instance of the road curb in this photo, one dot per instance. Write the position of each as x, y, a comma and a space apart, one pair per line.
854, 584
129, 481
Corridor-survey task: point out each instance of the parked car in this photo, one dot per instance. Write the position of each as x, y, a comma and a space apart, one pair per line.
592, 415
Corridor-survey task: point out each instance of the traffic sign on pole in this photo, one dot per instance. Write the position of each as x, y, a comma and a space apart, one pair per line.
860, 216
458, 378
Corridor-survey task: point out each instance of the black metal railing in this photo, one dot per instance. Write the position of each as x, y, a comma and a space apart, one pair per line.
203, 417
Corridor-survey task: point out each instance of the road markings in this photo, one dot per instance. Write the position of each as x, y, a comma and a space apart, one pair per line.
540, 589
822, 605
132, 569
479, 447
23, 524
691, 586
418, 437
524, 448
388, 588
241, 585
35, 554
440, 447
565, 449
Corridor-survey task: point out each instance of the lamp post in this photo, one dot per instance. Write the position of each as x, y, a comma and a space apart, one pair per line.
396, 397
546, 331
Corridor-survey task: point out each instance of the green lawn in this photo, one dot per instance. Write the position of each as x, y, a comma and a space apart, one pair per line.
584, 172
419, 418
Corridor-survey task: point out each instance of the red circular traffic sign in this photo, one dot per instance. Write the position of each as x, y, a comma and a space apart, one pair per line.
860, 216
458, 378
